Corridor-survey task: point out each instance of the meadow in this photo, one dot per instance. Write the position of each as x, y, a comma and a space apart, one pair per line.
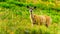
15, 16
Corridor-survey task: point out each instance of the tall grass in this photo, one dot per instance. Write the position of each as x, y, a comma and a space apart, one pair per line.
15, 18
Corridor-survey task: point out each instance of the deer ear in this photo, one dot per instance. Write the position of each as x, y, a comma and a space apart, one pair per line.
34, 7
27, 6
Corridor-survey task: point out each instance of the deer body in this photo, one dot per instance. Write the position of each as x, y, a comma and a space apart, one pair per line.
39, 20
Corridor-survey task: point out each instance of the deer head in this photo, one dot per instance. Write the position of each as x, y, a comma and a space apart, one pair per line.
31, 8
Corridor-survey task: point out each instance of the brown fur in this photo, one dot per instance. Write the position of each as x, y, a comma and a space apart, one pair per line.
48, 20
39, 20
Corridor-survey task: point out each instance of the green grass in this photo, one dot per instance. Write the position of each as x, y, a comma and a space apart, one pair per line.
18, 21
15, 19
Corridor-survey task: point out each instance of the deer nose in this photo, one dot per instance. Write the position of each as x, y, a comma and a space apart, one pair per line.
30, 9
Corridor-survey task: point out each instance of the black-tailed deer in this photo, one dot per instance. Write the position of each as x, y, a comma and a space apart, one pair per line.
39, 19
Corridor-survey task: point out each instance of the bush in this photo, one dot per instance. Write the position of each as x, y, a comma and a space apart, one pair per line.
2, 0
6, 5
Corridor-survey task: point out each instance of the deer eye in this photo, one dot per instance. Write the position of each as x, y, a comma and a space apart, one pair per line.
27, 6
35, 7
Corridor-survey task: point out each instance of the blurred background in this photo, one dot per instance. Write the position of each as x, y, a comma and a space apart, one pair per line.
15, 16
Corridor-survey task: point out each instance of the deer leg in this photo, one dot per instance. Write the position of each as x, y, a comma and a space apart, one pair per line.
33, 22
46, 25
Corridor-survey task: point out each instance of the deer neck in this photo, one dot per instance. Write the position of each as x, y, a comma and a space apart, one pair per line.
31, 14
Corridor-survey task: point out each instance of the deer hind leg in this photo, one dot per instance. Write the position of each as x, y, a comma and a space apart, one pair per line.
48, 23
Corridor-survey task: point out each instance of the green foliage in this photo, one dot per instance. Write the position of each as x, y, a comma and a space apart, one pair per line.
6, 5
15, 18
2, 0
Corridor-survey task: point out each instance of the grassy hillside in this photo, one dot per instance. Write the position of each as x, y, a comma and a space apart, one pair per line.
15, 17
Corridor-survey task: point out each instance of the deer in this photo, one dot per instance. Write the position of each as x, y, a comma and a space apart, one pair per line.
39, 19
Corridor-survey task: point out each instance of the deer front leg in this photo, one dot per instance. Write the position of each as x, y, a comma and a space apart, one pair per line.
33, 22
